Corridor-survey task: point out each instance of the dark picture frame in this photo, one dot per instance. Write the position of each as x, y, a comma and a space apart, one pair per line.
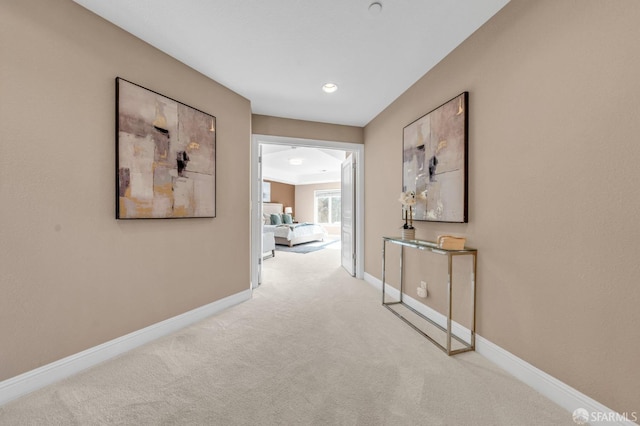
165, 156
435, 163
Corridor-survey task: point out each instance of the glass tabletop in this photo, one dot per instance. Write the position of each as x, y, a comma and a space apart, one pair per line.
426, 245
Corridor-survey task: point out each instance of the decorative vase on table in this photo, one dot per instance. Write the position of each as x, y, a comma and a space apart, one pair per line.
408, 233
408, 200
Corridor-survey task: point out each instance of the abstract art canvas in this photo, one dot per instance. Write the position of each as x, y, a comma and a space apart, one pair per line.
435, 162
266, 192
165, 155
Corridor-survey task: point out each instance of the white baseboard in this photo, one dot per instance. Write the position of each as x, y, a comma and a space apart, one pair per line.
435, 316
557, 391
30, 381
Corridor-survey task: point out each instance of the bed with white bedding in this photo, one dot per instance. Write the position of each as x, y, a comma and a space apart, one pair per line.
294, 233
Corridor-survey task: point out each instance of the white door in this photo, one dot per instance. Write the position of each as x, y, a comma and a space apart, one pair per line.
259, 177
348, 215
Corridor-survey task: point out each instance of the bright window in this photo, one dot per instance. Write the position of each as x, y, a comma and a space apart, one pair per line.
327, 207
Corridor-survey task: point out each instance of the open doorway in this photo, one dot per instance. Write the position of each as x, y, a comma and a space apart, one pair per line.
303, 183
318, 197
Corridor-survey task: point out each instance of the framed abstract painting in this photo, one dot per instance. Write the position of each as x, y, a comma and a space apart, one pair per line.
165, 156
435, 162
266, 192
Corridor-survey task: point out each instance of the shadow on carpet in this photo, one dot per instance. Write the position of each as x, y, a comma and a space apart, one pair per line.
306, 247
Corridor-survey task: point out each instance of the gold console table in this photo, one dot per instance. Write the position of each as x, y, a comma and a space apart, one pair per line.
432, 247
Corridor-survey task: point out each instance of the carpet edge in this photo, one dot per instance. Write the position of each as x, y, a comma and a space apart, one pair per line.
30, 381
557, 391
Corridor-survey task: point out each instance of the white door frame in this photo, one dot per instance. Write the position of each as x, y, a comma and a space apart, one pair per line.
256, 194
347, 211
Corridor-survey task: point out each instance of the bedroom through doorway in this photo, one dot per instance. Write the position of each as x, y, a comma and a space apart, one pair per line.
301, 200
299, 203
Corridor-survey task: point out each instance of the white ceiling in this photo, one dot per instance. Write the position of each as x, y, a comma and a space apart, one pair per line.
279, 53
317, 165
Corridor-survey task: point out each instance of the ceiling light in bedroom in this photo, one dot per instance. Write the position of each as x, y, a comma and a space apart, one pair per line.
295, 161
375, 8
330, 87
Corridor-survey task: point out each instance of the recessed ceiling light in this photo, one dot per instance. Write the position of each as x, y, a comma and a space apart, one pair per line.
295, 161
330, 87
375, 8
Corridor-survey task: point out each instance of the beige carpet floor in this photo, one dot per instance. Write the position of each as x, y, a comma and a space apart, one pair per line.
313, 347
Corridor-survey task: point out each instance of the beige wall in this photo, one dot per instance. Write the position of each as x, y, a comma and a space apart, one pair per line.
554, 97
553, 201
72, 276
283, 193
275, 126
305, 198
